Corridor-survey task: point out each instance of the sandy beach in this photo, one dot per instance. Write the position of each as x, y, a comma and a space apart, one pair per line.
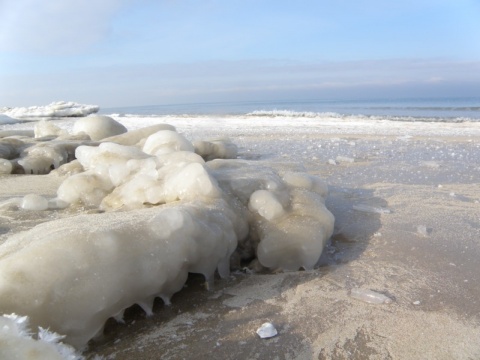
406, 201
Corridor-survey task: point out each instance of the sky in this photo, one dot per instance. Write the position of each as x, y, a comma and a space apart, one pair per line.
153, 52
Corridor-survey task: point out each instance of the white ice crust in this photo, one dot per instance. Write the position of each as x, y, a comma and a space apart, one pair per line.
166, 212
55, 109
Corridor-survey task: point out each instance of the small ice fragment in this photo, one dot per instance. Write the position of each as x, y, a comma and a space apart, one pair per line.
416, 302
5, 166
267, 330
431, 164
34, 202
422, 230
371, 209
332, 162
345, 159
369, 296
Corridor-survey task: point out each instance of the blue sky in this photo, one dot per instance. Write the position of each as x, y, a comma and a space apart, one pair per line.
144, 52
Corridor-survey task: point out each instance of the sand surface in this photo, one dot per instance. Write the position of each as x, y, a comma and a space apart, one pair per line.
421, 249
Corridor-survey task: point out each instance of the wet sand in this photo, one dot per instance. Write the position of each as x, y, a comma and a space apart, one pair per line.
421, 250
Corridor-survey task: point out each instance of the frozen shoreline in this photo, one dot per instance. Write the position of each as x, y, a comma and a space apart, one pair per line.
425, 174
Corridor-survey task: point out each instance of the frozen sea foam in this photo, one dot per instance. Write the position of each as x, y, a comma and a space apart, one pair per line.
167, 208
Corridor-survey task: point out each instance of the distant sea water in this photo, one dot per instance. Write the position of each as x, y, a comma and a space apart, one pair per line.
436, 109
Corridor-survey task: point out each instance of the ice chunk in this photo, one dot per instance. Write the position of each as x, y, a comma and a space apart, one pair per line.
87, 187
267, 330
369, 296
10, 148
106, 155
68, 169
4, 119
47, 128
371, 209
49, 156
266, 205
5, 166
306, 181
166, 141
36, 164
216, 149
344, 159
98, 127
190, 182
422, 230
133, 137
55, 109
34, 202
122, 258
430, 164
292, 243
56, 204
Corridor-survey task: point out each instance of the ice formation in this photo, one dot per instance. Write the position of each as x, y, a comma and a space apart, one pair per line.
369, 296
98, 127
38, 152
55, 109
17, 342
267, 330
4, 119
5, 166
166, 212
34, 202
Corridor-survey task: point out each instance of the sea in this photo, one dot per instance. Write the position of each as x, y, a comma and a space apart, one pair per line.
414, 109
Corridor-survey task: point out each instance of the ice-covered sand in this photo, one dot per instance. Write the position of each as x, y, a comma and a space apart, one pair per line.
407, 222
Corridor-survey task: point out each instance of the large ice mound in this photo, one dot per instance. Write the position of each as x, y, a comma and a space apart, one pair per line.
55, 109
169, 207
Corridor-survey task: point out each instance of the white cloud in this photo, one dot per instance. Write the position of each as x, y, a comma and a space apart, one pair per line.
54, 27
